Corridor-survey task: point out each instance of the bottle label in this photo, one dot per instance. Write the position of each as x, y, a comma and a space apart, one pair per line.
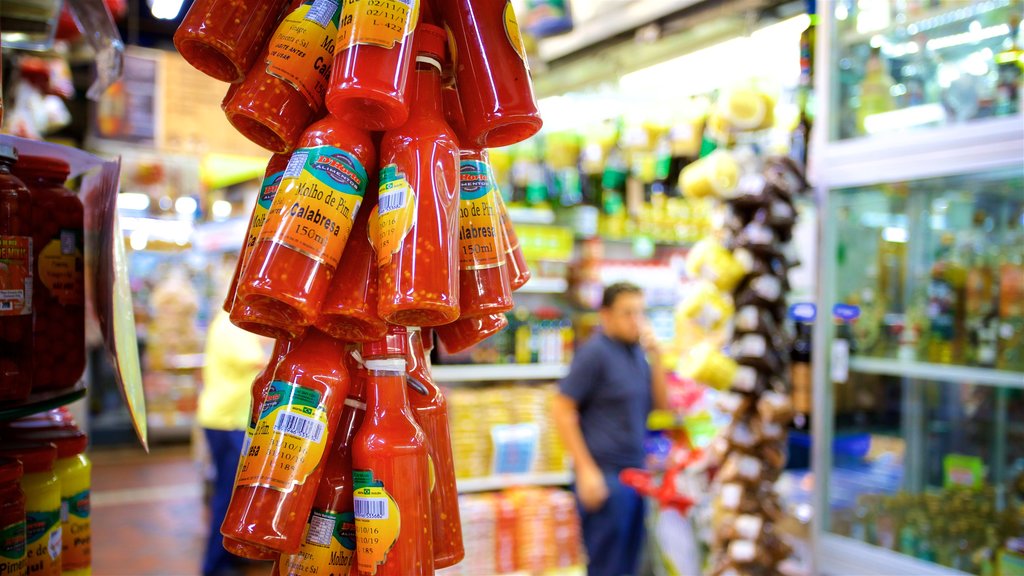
43, 541
378, 521
515, 38
316, 204
328, 545
15, 275
12, 549
77, 532
302, 49
394, 216
289, 440
264, 201
60, 268
381, 23
480, 243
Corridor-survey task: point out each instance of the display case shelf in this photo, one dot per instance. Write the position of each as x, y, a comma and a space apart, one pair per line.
938, 372
468, 373
503, 482
545, 286
41, 402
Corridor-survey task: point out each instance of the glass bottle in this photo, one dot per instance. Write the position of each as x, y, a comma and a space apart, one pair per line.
16, 272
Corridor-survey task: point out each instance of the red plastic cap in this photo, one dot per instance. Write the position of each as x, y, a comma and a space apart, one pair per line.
42, 167
70, 443
10, 470
393, 344
431, 40
35, 456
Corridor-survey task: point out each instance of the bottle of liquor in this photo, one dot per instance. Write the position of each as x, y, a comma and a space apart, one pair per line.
800, 375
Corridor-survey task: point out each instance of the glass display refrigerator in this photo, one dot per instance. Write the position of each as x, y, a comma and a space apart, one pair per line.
918, 164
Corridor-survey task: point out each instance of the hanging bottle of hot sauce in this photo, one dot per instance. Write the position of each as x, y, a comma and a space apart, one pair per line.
391, 471
417, 214
430, 410
287, 276
280, 472
518, 271
467, 332
350, 308
259, 394
284, 92
329, 541
223, 38
372, 63
492, 72
271, 181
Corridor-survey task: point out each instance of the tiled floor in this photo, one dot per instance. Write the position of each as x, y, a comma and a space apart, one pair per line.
148, 515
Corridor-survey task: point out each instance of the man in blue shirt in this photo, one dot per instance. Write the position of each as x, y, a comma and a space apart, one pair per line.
601, 412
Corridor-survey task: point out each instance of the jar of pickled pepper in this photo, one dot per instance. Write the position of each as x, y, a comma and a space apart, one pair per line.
16, 272
58, 298
12, 517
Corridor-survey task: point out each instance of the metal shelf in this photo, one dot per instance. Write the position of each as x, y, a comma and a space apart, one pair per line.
492, 483
545, 286
498, 372
41, 402
940, 372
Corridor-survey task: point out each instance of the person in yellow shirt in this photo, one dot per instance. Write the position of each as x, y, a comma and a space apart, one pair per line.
233, 359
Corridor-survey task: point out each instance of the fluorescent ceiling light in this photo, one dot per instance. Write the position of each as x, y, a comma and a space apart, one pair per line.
132, 201
972, 36
186, 205
221, 210
894, 234
165, 9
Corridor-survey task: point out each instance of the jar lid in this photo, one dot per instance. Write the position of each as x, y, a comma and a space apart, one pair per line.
42, 166
35, 456
392, 344
70, 443
431, 40
10, 470
8, 153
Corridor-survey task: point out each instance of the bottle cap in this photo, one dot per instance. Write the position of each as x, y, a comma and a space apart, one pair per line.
10, 470
35, 456
42, 167
431, 41
8, 153
392, 344
70, 443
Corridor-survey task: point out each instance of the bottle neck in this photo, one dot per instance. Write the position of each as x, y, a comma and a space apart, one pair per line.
385, 386
426, 100
318, 345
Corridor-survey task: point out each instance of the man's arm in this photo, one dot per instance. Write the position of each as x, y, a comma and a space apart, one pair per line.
659, 377
590, 484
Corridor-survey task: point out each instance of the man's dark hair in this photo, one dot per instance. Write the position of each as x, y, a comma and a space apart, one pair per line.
612, 292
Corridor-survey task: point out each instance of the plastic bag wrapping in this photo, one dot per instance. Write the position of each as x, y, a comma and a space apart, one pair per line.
93, 17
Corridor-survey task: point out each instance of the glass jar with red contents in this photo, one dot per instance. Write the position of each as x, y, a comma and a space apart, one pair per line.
484, 286
518, 271
492, 72
271, 181
467, 332
281, 95
391, 471
414, 233
350, 308
12, 517
223, 38
278, 478
259, 393
329, 541
373, 62
58, 288
286, 279
430, 410
16, 271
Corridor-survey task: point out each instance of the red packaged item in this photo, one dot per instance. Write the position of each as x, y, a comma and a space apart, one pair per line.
283, 94
281, 470
12, 517
16, 273
484, 286
58, 288
329, 541
430, 410
259, 394
271, 181
391, 471
492, 72
223, 38
373, 62
349, 311
417, 217
286, 279
467, 332
518, 271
